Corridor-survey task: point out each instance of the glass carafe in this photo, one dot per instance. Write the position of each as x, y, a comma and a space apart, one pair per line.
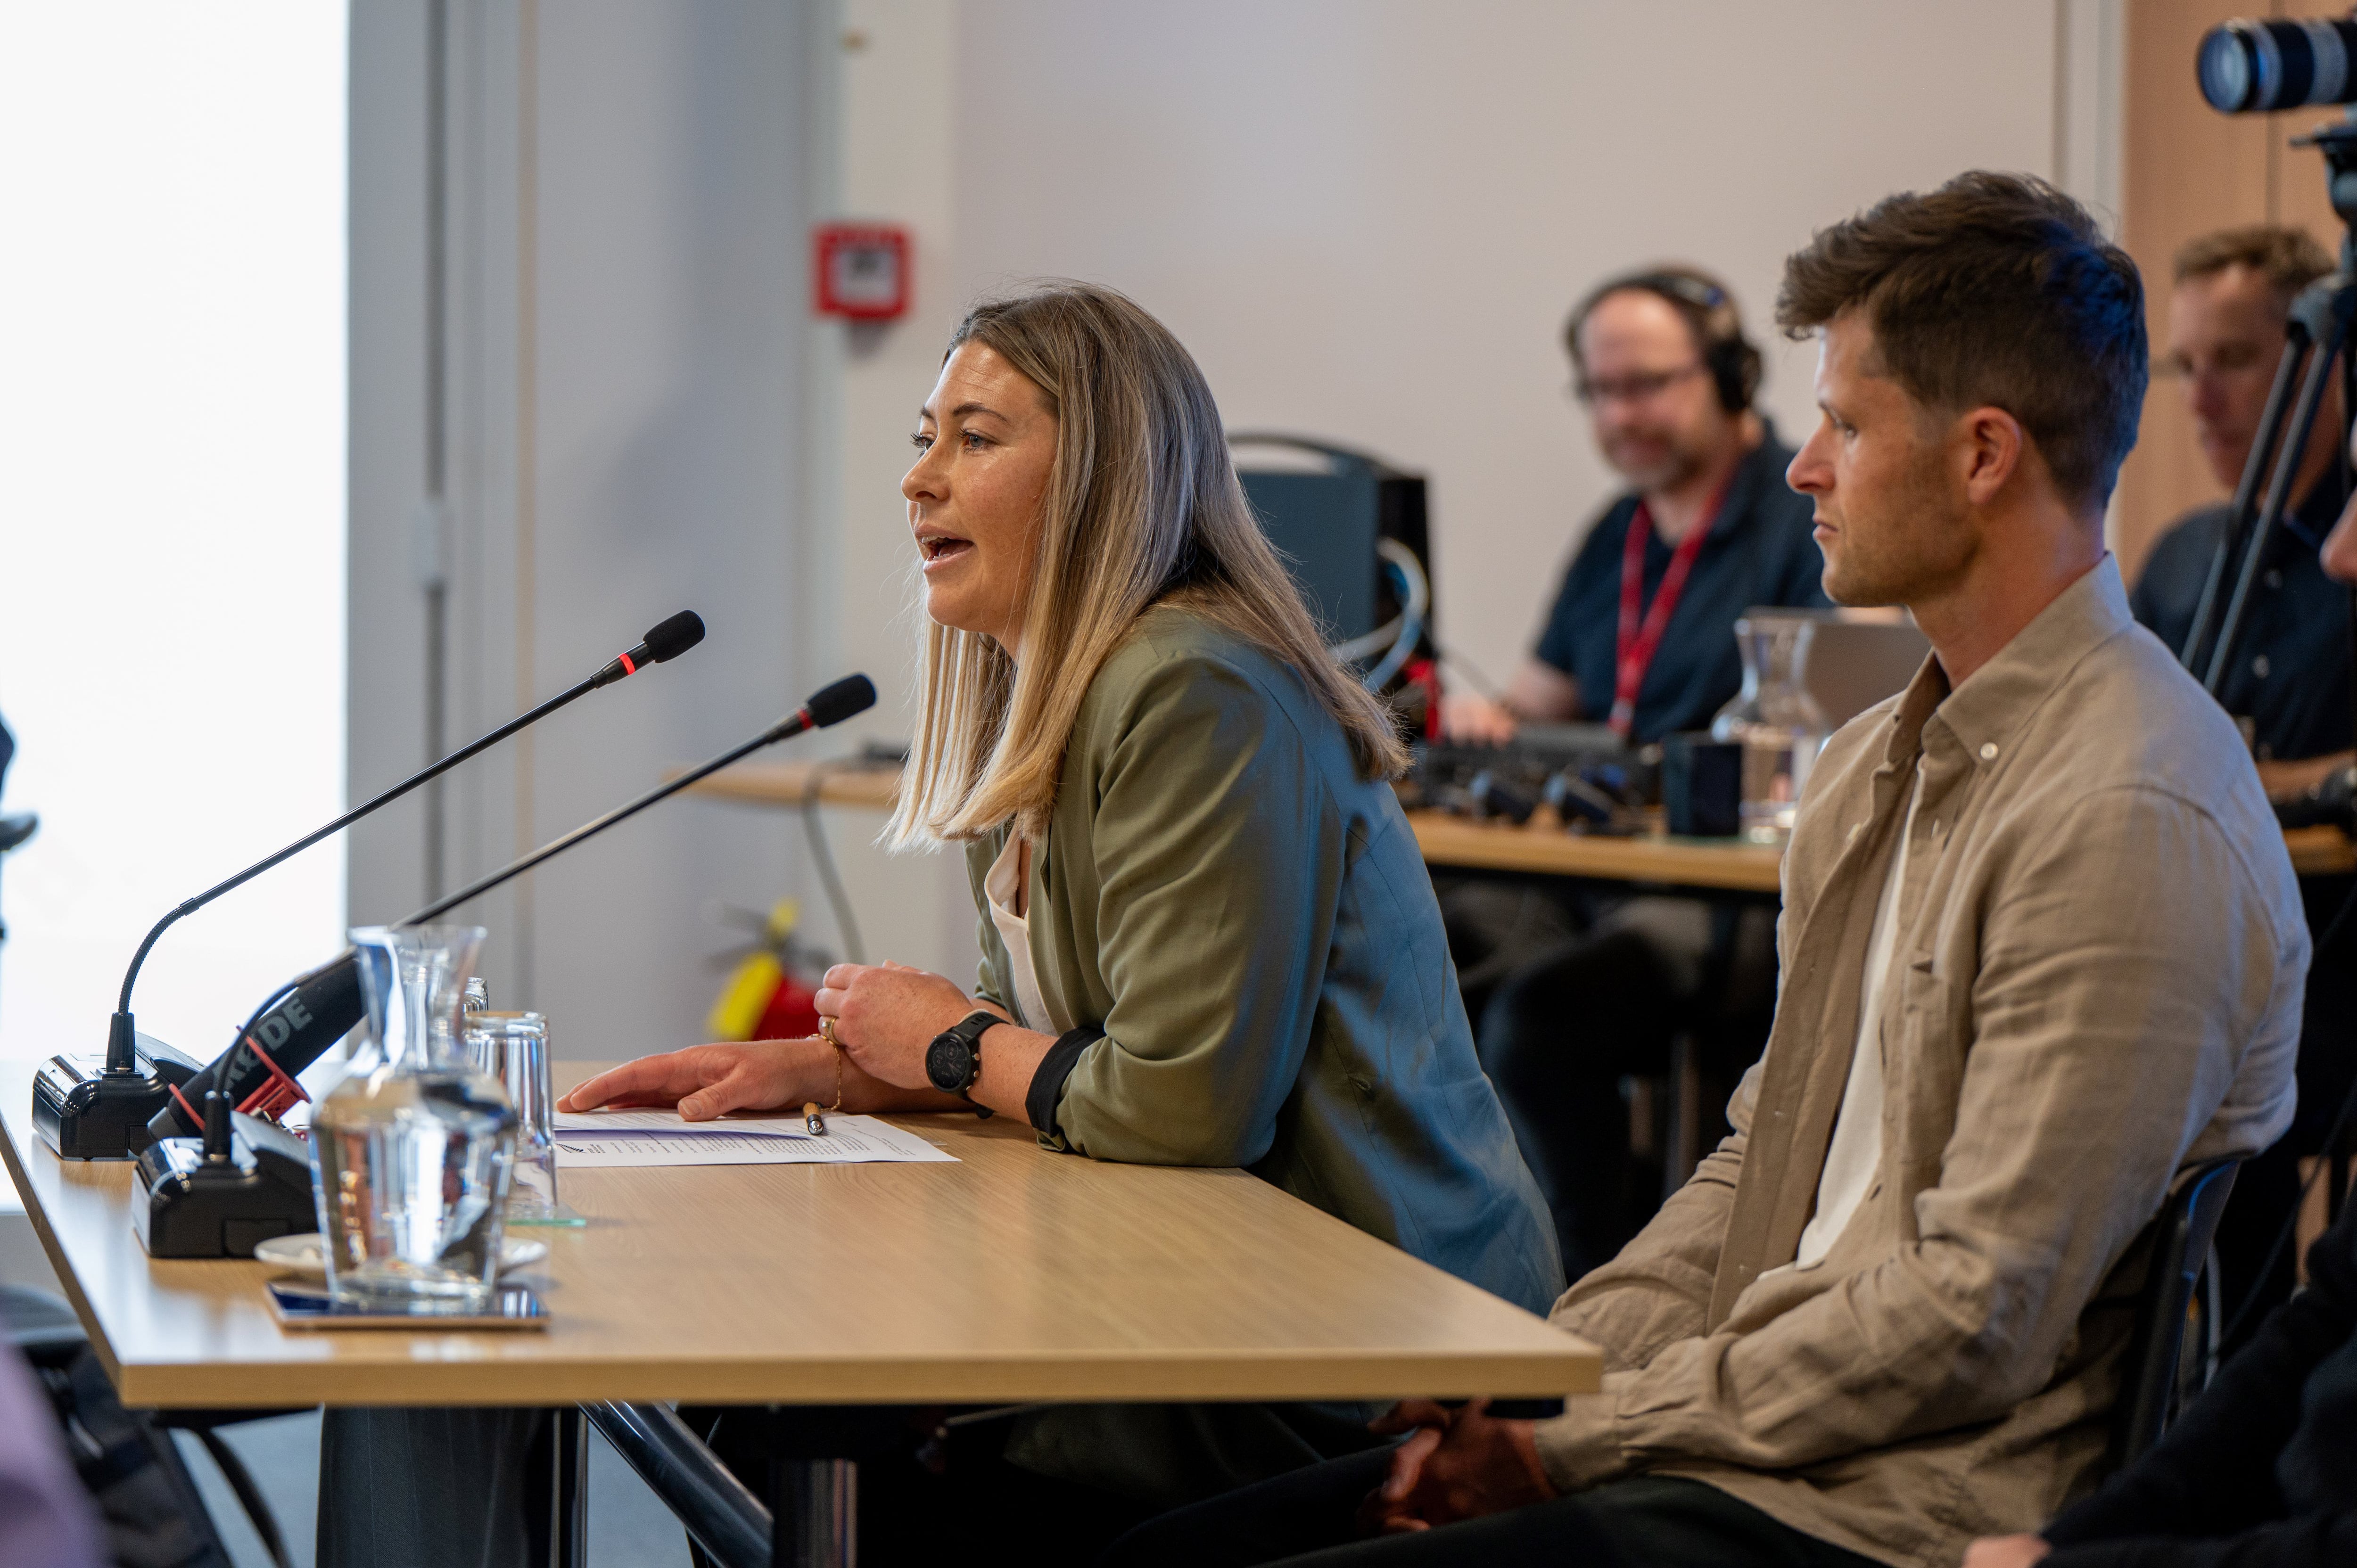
413, 1150
1774, 719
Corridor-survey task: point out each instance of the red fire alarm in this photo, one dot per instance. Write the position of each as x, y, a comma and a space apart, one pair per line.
860, 270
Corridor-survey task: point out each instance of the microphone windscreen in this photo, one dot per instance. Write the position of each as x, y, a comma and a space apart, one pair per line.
676, 636
833, 704
324, 1005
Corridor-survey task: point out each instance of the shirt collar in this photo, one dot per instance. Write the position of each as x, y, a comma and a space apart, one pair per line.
1999, 697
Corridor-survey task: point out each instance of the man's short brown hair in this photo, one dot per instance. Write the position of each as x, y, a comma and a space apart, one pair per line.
1997, 290
2289, 259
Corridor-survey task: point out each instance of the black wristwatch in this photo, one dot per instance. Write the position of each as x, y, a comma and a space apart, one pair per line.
954, 1058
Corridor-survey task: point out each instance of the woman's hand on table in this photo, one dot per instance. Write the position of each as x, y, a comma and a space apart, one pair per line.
886, 1015
706, 1081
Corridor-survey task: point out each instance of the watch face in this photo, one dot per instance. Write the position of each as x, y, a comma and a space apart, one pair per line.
950, 1063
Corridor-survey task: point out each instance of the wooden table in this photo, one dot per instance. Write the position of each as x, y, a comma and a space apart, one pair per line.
1706, 863
786, 784
1014, 1275
2321, 852
1726, 865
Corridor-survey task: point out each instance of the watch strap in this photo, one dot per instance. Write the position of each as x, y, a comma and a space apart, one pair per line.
973, 1026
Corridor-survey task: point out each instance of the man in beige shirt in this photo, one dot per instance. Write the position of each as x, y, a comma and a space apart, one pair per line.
1886, 1314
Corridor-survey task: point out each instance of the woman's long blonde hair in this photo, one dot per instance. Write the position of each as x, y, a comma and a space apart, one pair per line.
1142, 508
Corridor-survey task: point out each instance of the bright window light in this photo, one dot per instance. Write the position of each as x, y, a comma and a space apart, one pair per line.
171, 537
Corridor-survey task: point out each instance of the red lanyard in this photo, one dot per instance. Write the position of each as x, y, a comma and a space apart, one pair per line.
1637, 642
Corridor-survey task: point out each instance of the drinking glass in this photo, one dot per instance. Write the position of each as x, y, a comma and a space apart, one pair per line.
513, 1048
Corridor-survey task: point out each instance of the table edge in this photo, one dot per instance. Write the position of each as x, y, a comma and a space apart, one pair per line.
1210, 1377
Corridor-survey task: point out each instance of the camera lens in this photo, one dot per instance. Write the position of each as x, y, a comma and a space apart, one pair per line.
2248, 66
2226, 68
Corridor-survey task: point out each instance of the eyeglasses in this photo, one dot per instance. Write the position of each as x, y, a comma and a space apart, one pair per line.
2230, 360
1643, 387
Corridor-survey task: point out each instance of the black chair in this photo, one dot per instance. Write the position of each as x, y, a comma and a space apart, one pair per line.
2155, 1379
148, 1493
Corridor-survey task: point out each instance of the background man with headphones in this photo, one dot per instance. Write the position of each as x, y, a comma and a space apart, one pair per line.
1707, 529
1641, 637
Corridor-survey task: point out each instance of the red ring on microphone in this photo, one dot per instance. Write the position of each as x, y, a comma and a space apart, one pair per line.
627, 667
277, 1092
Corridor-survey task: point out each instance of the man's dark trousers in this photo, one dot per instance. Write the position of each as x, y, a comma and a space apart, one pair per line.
1308, 1520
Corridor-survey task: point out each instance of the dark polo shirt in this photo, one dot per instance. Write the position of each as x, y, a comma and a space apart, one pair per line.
2290, 676
1758, 551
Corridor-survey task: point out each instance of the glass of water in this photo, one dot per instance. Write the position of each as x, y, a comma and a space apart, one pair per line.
411, 1151
513, 1048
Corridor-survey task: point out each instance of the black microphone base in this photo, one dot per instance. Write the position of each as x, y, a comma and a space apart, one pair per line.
85, 1112
187, 1208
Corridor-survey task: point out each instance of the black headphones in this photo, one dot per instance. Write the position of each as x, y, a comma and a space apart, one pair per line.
1732, 360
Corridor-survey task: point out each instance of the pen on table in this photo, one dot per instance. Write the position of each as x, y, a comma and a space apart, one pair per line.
813, 1119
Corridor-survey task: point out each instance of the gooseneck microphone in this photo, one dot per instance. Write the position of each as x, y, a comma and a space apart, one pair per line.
665, 642
831, 705
88, 1117
668, 640
311, 1013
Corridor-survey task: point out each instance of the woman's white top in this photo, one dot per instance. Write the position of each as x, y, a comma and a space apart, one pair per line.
1001, 886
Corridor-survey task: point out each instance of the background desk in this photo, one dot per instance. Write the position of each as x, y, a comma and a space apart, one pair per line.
1724, 863
1014, 1275
1721, 864
845, 783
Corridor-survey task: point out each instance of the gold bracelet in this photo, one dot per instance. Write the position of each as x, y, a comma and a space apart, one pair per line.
838, 1082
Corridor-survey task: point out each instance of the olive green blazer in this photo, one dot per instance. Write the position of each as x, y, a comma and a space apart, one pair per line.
1251, 925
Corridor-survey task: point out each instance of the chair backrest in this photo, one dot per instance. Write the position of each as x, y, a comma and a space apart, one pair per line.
2187, 1224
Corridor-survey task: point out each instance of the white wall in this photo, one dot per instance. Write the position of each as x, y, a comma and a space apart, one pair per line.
1368, 217
627, 307
171, 430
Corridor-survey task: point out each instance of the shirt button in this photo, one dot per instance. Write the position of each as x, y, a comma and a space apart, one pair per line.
2259, 666
1988, 751
2274, 579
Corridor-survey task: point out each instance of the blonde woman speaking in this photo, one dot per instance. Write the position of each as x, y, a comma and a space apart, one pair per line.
1208, 937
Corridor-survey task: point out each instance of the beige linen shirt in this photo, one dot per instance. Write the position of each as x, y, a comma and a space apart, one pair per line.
2098, 981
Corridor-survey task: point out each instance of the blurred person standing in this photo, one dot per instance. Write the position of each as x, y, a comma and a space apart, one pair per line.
2288, 688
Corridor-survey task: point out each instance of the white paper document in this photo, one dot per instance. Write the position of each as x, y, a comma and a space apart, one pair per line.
593, 1139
